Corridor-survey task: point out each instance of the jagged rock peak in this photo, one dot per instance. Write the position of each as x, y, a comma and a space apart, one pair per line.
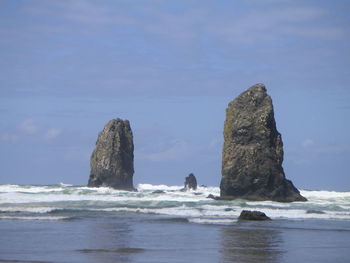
252, 155
112, 161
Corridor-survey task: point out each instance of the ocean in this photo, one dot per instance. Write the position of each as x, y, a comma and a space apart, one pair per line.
66, 223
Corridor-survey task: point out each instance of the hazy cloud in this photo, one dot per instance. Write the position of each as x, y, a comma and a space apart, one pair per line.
29, 126
82, 12
8, 137
276, 24
53, 133
215, 143
176, 150
332, 149
311, 146
189, 26
307, 143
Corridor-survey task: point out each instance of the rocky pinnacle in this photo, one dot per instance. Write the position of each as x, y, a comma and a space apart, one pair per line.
112, 161
252, 155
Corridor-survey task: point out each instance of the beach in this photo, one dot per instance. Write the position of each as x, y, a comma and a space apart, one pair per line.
65, 223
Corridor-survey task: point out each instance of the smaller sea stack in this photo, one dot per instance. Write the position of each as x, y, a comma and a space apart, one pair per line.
112, 161
190, 182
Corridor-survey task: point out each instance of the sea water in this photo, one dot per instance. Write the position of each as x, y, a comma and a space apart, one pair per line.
65, 223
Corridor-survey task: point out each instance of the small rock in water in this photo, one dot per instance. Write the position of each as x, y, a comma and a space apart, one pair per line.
158, 192
229, 209
253, 215
210, 196
191, 182
314, 212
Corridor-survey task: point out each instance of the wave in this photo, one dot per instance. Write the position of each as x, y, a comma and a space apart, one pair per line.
6, 188
326, 195
31, 201
36, 218
213, 221
29, 209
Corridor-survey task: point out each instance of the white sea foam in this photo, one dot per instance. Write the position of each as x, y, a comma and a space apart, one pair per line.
64, 185
325, 194
30, 209
9, 188
212, 221
150, 187
193, 205
35, 218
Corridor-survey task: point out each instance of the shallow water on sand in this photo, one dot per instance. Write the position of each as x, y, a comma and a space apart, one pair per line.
65, 223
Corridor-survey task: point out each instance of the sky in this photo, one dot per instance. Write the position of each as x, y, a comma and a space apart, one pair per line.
171, 67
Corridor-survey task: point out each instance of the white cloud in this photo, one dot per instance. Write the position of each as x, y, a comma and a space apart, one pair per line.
275, 24
80, 11
28, 126
215, 143
307, 143
310, 145
332, 149
177, 149
52, 133
8, 137
265, 22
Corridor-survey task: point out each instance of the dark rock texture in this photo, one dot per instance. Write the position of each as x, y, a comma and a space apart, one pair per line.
253, 151
158, 192
253, 215
112, 161
210, 196
191, 182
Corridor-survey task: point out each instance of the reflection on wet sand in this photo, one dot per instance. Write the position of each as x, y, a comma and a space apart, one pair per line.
110, 243
250, 245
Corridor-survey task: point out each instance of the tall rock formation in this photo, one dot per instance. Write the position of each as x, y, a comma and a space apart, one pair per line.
112, 161
252, 155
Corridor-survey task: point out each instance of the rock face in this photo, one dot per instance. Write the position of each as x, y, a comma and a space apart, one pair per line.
253, 215
112, 161
253, 151
191, 182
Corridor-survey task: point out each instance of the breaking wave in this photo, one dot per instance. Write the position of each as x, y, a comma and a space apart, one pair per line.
64, 201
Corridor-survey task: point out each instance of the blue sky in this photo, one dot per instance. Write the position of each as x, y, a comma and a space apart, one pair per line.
171, 68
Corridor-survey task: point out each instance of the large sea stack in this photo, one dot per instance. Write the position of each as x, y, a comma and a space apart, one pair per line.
112, 161
253, 151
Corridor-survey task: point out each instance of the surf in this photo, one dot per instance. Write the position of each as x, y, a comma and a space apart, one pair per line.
32, 202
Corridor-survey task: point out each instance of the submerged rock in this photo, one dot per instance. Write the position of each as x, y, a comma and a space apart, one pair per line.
158, 192
253, 215
112, 161
191, 182
252, 155
311, 211
211, 196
